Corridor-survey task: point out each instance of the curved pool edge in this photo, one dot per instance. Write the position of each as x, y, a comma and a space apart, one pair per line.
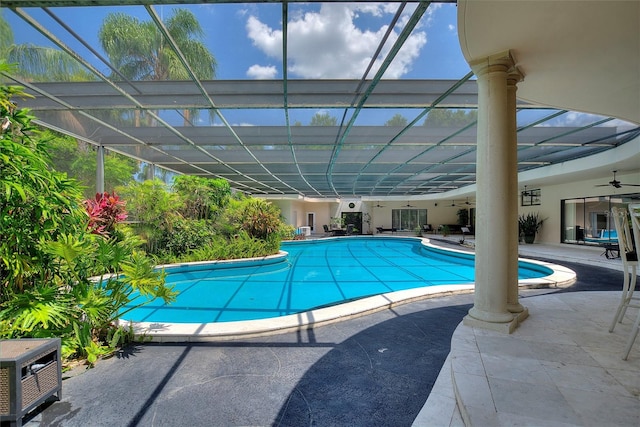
561, 277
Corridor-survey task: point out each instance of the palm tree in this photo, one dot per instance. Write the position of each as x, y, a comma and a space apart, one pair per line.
39, 63
140, 51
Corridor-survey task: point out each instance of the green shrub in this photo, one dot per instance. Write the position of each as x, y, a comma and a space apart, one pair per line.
257, 217
240, 246
201, 198
186, 235
50, 246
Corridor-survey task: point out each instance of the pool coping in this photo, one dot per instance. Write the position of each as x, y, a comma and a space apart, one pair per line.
223, 331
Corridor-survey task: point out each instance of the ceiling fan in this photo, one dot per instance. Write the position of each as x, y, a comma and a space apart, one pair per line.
408, 206
378, 205
466, 203
617, 184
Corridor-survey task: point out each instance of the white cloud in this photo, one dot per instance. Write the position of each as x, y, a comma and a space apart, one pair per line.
327, 44
260, 72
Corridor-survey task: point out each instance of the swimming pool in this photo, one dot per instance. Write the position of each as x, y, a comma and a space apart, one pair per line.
313, 274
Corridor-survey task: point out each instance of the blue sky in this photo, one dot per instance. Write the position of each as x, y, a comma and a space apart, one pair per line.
325, 40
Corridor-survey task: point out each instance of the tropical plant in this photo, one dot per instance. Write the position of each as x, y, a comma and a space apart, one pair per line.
79, 161
202, 198
257, 217
463, 217
185, 236
242, 245
37, 205
105, 211
140, 51
529, 225
38, 63
48, 254
152, 209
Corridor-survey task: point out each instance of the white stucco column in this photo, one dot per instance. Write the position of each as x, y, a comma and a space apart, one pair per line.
100, 169
496, 206
513, 304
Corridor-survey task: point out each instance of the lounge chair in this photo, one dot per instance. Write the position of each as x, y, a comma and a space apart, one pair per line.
382, 229
629, 256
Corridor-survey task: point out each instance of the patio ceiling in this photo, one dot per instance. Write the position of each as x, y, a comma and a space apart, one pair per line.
358, 157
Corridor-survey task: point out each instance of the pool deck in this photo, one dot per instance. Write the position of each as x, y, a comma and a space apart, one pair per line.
391, 367
561, 367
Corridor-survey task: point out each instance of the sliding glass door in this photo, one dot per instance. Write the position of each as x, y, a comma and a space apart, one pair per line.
408, 219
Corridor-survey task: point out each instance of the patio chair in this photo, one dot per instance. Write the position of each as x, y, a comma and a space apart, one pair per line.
629, 256
327, 232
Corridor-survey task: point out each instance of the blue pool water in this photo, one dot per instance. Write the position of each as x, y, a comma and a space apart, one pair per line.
316, 273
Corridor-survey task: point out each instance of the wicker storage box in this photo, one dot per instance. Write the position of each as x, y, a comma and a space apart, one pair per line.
30, 373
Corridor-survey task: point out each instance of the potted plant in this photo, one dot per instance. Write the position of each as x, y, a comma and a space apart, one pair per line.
528, 226
463, 217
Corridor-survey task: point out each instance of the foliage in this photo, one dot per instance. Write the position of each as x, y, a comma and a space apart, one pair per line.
323, 119
287, 232
79, 161
202, 198
141, 52
37, 205
38, 62
153, 210
186, 235
397, 120
105, 211
530, 223
463, 216
450, 118
242, 245
257, 217
337, 222
48, 253
201, 214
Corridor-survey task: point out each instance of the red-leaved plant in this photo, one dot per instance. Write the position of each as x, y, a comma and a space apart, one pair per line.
105, 211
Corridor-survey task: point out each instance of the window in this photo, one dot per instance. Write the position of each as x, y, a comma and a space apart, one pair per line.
586, 219
408, 219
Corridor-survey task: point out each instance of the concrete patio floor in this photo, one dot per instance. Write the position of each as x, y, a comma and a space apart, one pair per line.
390, 368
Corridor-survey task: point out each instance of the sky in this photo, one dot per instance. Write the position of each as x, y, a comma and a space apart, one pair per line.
326, 41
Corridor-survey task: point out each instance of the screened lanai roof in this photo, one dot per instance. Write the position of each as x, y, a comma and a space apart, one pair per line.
257, 132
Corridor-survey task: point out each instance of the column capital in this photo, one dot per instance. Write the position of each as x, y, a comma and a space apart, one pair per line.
501, 61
